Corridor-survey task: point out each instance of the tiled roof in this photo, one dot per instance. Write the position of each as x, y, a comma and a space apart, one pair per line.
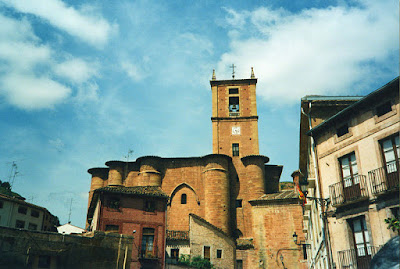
138, 190
209, 224
244, 243
177, 235
282, 195
350, 110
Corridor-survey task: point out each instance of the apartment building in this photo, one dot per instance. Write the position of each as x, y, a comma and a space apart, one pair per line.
352, 167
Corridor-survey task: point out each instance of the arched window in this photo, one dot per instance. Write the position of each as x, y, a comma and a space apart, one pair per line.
183, 199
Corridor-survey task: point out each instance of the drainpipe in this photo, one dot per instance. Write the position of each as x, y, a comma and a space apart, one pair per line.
319, 192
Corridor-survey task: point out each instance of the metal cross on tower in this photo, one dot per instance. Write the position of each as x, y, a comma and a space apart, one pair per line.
233, 71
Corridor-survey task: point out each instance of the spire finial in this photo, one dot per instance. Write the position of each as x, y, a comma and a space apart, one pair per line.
213, 76
252, 73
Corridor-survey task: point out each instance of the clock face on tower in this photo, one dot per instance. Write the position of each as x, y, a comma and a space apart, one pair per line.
236, 130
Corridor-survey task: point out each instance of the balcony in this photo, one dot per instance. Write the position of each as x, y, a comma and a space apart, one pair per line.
384, 179
356, 258
350, 191
149, 253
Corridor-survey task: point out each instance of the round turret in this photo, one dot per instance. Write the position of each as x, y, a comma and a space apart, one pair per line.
217, 191
150, 174
255, 174
115, 174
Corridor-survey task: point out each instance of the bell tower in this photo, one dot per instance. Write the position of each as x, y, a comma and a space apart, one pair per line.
234, 116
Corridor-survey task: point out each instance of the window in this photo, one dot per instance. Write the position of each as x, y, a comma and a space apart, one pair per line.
22, 210
234, 91
349, 169
235, 149
342, 130
219, 253
1, 204
113, 203
147, 242
239, 264
175, 253
149, 206
206, 253
183, 199
391, 151
44, 262
112, 228
361, 239
234, 104
383, 109
350, 177
32, 226
20, 224
238, 203
35, 213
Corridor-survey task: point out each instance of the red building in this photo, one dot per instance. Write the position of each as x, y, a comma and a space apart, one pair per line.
138, 211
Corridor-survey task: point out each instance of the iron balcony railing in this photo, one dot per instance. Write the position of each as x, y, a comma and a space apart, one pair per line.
348, 191
384, 179
359, 258
149, 253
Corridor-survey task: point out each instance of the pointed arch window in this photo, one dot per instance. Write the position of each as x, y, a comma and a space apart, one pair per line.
183, 199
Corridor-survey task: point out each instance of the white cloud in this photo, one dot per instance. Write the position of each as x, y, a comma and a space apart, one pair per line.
76, 70
317, 51
28, 68
236, 19
84, 24
29, 92
132, 71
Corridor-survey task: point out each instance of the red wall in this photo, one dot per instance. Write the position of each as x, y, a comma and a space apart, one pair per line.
131, 216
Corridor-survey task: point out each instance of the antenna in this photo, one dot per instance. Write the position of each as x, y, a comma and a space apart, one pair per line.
233, 71
70, 210
13, 173
130, 151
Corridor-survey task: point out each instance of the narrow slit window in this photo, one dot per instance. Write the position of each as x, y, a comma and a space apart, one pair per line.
239, 203
183, 199
235, 149
219, 253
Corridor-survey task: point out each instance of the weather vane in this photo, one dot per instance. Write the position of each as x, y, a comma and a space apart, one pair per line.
233, 71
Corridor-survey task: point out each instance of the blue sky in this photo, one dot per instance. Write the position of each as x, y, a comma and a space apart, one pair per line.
82, 82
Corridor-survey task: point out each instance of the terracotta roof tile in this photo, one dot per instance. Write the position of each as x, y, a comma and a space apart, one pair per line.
138, 190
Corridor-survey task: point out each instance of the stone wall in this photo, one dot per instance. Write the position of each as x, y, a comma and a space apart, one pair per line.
203, 234
22, 249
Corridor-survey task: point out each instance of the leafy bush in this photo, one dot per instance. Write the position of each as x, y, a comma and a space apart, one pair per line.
393, 223
195, 262
199, 262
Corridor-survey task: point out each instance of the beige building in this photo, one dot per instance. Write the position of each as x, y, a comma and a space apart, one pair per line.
16, 213
353, 160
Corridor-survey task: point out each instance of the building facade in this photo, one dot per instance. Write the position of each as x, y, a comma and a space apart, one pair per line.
16, 213
139, 211
357, 168
232, 193
314, 111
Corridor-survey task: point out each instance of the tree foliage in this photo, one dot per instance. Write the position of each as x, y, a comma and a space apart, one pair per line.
393, 223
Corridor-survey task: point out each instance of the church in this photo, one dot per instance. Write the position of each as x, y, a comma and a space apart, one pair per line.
226, 207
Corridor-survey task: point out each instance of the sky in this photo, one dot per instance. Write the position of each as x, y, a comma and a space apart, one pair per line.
84, 82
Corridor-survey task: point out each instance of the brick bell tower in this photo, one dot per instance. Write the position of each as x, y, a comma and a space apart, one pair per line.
234, 116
